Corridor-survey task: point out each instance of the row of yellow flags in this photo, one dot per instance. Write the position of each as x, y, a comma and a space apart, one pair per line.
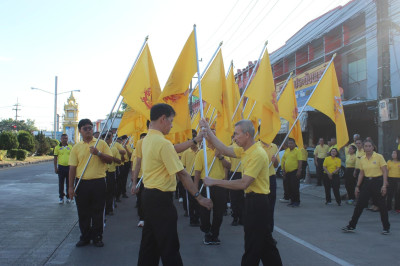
221, 93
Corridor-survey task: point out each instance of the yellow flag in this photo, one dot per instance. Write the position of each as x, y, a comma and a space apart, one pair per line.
175, 92
327, 100
233, 95
262, 90
133, 123
250, 114
142, 88
288, 110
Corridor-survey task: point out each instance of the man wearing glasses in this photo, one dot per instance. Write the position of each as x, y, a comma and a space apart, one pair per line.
91, 193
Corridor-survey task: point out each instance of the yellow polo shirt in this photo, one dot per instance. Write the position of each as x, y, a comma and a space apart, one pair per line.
346, 149
187, 159
332, 163
351, 160
138, 150
290, 159
372, 166
134, 160
112, 167
394, 168
129, 149
321, 151
271, 150
62, 153
235, 161
160, 162
80, 154
217, 171
255, 165
121, 148
359, 154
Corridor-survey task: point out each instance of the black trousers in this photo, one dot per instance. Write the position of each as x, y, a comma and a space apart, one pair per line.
110, 192
119, 183
335, 185
320, 171
63, 173
139, 201
393, 191
371, 188
272, 200
286, 188
293, 186
194, 208
303, 169
258, 242
218, 197
160, 233
350, 183
237, 199
127, 167
90, 202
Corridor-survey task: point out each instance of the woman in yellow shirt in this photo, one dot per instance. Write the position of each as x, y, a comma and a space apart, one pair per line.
373, 177
331, 177
350, 180
394, 179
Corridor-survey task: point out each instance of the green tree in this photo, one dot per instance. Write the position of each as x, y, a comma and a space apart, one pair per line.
42, 144
26, 140
8, 140
8, 124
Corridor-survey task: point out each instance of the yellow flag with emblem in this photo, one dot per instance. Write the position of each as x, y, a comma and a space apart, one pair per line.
233, 96
142, 88
288, 110
327, 100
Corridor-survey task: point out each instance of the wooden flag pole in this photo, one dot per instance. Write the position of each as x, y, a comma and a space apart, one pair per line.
112, 109
201, 106
304, 106
248, 82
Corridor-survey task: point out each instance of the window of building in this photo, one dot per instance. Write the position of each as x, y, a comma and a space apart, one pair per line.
357, 71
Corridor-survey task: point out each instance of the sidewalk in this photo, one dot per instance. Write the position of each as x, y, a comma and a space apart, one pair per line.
5, 164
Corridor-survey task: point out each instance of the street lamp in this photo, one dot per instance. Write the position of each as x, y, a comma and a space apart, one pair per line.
55, 103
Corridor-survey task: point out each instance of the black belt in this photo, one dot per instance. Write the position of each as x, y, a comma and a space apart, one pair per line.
158, 191
376, 177
254, 195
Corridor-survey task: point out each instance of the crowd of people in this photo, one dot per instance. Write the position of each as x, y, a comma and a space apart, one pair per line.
241, 176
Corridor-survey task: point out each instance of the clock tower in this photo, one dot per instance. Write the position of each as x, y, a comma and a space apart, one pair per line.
70, 124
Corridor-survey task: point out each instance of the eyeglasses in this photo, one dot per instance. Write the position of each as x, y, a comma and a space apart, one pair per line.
88, 128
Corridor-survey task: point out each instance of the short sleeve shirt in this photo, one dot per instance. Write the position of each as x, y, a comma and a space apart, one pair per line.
138, 150
255, 165
112, 166
304, 154
332, 164
359, 155
160, 162
217, 170
351, 160
62, 153
394, 169
291, 159
271, 150
187, 159
321, 151
235, 161
121, 148
80, 154
372, 166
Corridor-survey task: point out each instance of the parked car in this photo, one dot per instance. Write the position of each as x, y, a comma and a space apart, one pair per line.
312, 170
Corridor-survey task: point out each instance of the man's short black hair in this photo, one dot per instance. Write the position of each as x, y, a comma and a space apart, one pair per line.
143, 135
147, 124
84, 122
124, 137
194, 133
290, 139
63, 135
161, 109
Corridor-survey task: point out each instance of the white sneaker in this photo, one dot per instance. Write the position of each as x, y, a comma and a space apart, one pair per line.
68, 201
180, 199
61, 201
140, 224
283, 200
228, 205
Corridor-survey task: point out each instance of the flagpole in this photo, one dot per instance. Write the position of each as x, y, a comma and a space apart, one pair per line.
248, 82
209, 63
201, 106
229, 69
112, 109
304, 106
209, 170
284, 86
197, 127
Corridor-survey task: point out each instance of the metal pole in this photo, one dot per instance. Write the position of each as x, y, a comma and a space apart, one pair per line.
201, 105
284, 86
209, 63
248, 82
209, 170
302, 109
112, 109
197, 127
140, 181
55, 109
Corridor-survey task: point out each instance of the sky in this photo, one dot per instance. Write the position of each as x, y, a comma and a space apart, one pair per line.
91, 45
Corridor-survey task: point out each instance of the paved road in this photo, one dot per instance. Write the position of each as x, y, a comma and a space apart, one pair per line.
36, 230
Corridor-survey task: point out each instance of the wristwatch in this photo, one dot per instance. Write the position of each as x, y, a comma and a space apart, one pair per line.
98, 154
197, 194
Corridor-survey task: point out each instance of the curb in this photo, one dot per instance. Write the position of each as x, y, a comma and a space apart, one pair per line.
17, 164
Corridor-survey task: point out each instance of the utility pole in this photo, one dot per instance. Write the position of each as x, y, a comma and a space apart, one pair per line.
385, 129
16, 109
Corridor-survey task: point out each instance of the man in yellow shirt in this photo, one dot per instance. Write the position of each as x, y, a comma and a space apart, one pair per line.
217, 194
127, 163
161, 166
291, 167
258, 241
61, 167
122, 173
304, 156
91, 193
320, 152
237, 196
